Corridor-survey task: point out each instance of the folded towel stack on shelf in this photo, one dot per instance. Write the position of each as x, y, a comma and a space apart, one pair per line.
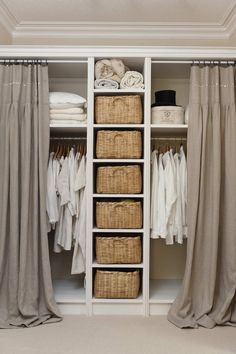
67, 108
114, 74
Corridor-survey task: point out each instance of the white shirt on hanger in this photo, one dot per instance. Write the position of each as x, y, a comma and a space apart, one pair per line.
170, 195
51, 198
154, 196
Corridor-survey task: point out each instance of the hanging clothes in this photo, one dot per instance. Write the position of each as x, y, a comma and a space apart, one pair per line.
67, 180
169, 196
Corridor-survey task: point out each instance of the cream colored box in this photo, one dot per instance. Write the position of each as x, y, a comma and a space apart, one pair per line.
167, 115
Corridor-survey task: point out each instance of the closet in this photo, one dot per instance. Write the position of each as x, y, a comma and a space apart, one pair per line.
161, 269
167, 262
70, 290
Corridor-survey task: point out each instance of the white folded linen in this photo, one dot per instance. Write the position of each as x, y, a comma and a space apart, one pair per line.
132, 79
106, 83
113, 69
77, 110
66, 97
68, 121
65, 105
78, 117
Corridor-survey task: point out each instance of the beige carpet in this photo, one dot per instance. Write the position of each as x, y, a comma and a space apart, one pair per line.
116, 335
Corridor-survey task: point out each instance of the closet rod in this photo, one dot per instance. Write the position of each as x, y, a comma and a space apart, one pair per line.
193, 62
67, 138
173, 139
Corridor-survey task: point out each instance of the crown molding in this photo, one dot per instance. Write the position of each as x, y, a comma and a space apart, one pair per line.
223, 29
7, 19
122, 30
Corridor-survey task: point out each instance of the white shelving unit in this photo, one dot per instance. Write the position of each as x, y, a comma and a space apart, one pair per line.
116, 305
156, 295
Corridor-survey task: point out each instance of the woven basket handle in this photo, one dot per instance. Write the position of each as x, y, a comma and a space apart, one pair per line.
118, 241
117, 206
117, 135
117, 169
117, 98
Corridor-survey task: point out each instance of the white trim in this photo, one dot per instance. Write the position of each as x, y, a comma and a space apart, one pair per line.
122, 30
154, 52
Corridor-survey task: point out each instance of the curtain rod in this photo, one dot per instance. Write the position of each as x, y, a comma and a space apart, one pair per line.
232, 62
49, 61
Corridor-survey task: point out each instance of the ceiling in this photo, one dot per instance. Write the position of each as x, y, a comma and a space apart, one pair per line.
180, 19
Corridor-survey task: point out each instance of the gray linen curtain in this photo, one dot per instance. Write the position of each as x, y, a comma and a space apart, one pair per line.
207, 297
26, 294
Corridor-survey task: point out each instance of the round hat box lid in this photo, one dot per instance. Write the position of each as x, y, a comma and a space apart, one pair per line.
168, 108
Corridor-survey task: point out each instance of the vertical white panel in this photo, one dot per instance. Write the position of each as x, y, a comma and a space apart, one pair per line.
89, 184
147, 140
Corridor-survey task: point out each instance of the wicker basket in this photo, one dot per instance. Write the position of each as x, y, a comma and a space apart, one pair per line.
119, 215
118, 109
118, 249
119, 179
119, 144
117, 284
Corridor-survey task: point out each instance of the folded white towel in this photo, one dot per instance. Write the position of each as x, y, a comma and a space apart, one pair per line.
132, 79
106, 83
68, 121
65, 105
113, 69
67, 111
66, 97
78, 117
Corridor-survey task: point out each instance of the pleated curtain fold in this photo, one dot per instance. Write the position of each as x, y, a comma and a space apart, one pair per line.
26, 293
208, 294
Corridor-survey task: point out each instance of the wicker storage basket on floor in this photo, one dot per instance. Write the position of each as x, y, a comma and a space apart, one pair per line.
119, 215
118, 249
118, 109
119, 144
116, 284
119, 179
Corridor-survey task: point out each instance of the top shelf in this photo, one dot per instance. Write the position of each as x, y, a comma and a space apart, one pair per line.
116, 91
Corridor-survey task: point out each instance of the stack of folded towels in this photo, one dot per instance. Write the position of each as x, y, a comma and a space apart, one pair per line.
67, 108
114, 74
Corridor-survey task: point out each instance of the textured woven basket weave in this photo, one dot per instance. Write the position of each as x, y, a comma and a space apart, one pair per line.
118, 249
118, 109
119, 144
119, 215
119, 179
116, 284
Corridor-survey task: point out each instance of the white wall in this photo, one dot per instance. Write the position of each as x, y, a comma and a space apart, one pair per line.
5, 37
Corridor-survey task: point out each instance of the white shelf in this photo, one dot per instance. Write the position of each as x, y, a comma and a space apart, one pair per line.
112, 126
95, 229
171, 129
69, 291
139, 299
119, 160
118, 195
98, 265
164, 291
112, 91
65, 128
